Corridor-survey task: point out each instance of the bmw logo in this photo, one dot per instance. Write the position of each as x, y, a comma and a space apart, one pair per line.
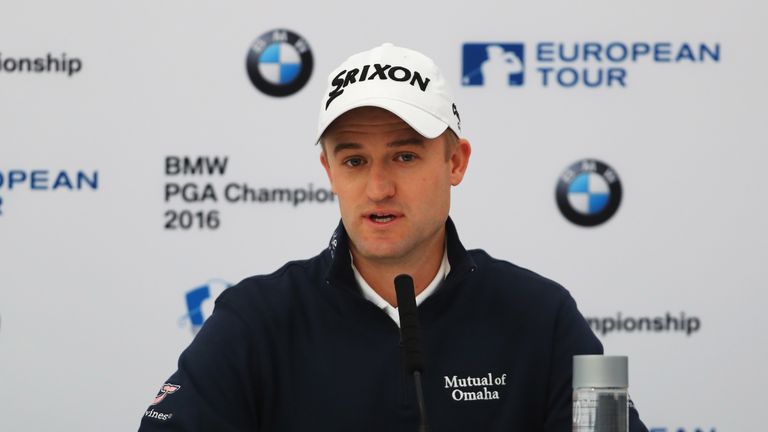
279, 62
588, 192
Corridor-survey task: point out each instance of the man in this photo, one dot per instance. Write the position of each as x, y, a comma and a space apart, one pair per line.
316, 345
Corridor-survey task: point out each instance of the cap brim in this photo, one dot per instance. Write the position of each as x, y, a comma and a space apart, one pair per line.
421, 121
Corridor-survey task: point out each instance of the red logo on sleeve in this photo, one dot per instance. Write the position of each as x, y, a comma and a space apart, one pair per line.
165, 390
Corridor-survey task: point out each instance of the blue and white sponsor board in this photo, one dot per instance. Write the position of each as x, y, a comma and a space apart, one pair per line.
142, 154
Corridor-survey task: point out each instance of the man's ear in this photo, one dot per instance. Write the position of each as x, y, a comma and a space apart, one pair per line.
459, 161
327, 166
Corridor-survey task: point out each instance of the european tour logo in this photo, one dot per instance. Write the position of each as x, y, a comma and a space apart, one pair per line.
475, 388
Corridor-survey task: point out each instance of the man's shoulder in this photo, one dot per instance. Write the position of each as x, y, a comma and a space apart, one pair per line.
283, 283
523, 293
515, 279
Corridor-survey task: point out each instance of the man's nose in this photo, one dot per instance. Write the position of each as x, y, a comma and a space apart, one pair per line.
381, 184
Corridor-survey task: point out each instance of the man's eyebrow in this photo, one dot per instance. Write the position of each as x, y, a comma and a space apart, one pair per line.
345, 146
396, 143
406, 142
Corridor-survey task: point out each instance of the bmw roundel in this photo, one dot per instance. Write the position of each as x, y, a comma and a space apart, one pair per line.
588, 192
279, 62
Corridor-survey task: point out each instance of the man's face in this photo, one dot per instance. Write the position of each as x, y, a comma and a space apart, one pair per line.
393, 184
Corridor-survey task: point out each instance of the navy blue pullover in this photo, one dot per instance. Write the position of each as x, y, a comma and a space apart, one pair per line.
302, 350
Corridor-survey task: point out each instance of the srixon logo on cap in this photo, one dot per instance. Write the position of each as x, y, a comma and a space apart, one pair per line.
375, 71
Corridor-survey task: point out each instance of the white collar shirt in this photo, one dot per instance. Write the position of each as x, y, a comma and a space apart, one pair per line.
375, 298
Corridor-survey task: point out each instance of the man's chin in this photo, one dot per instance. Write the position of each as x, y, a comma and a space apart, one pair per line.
379, 253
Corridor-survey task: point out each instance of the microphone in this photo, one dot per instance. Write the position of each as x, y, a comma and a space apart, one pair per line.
410, 339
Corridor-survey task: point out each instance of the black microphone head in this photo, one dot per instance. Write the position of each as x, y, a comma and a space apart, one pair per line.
404, 290
410, 330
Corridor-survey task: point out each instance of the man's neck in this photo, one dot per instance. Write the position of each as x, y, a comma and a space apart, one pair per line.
380, 274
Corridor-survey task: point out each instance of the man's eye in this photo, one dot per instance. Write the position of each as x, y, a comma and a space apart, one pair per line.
353, 162
406, 157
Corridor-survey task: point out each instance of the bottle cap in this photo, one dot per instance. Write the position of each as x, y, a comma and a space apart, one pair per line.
600, 371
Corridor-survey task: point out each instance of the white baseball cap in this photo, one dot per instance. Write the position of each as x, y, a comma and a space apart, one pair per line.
402, 81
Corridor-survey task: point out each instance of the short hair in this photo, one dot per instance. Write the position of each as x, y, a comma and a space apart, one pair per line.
451, 142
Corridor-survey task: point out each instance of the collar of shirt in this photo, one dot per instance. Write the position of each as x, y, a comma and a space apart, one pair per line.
375, 298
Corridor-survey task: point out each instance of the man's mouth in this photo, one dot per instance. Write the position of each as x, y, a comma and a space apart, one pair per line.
381, 218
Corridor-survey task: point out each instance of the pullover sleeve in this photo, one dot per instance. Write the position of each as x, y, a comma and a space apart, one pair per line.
213, 388
572, 336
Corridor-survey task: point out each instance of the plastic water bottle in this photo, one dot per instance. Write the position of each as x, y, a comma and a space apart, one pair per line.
600, 398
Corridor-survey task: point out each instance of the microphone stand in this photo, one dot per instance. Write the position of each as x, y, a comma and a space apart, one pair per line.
423, 426
410, 336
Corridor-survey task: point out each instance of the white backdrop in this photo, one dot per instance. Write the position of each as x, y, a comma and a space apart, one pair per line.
92, 284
